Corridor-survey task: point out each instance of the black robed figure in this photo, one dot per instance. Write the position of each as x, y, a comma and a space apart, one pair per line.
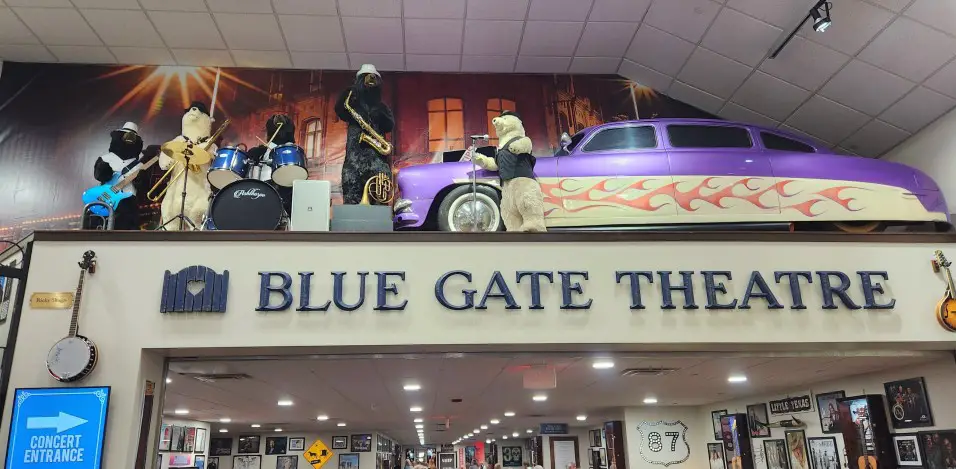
362, 161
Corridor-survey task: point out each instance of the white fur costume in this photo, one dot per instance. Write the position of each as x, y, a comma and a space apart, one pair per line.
196, 126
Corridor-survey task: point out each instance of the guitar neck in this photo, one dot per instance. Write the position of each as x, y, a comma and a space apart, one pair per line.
128, 178
74, 321
949, 283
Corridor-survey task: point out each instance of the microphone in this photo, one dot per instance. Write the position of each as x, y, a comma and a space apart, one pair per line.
480, 137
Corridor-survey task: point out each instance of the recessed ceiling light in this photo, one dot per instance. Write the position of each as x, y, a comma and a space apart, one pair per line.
484, 427
225, 420
415, 409
494, 421
476, 431
509, 414
284, 403
650, 400
255, 425
470, 435
223, 430
540, 397
737, 379
419, 420
169, 380
412, 387
420, 425
181, 411
488, 441
504, 437
582, 417
323, 417
529, 431
340, 424
278, 429
602, 364
515, 434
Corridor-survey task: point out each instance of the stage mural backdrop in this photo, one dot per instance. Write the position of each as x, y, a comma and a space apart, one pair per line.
55, 120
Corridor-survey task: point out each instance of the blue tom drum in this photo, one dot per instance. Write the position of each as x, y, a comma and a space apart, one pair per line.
288, 164
231, 164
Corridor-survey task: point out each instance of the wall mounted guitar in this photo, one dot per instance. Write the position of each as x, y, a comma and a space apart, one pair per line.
74, 356
946, 308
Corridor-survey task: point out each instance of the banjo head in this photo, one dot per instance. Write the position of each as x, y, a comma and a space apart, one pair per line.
71, 358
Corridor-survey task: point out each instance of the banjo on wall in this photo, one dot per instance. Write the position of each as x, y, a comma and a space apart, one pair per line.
74, 356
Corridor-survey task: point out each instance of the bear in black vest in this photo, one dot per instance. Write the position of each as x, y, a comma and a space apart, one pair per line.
126, 150
361, 160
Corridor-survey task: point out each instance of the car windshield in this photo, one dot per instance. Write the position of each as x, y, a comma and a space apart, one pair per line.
575, 140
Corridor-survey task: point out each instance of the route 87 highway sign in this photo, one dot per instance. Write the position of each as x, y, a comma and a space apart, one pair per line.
663, 443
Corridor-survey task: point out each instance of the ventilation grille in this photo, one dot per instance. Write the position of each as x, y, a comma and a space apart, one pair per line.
213, 378
657, 371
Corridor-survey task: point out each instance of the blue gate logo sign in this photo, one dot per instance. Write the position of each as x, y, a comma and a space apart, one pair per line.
195, 289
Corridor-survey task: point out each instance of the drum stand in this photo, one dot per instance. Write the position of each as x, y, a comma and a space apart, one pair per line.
183, 219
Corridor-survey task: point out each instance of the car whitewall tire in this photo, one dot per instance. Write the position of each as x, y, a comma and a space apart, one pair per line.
455, 211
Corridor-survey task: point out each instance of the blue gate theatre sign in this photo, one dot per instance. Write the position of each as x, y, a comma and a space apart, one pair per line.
58, 428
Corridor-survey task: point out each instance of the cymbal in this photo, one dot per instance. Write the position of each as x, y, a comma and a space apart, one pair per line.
178, 151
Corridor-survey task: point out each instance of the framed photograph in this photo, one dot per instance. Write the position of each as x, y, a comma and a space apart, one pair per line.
757, 420
212, 463
220, 446
596, 438
715, 456
159, 461
603, 453
248, 461
829, 410
178, 438
823, 452
909, 403
511, 456
361, 443
180, 460
936, 448
201, 437
247, 444
287, 462
296, 444
340, 442
715, 418
190, 442
200, 462
348, 461
907, 450
165, 437
594, 458
797, 449
775, 453
276, 445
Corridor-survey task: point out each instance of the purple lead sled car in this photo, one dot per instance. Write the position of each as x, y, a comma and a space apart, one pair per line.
673, 172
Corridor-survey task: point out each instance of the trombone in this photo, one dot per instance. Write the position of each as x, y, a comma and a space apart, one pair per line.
177, 151
158, 197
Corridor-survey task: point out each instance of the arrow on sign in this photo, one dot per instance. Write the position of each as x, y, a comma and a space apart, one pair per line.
61, 423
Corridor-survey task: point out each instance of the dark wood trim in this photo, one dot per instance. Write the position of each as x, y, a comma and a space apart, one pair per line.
577, 450
6, 364
437, 237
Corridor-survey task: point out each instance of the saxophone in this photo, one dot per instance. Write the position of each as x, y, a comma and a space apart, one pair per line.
369, 136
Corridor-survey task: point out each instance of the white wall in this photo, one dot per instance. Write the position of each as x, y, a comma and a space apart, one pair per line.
367, 460
931, 150
185, 423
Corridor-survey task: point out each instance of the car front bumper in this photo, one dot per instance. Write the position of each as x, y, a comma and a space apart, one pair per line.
410, 214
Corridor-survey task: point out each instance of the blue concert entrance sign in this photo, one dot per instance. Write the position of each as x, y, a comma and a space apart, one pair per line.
59, 428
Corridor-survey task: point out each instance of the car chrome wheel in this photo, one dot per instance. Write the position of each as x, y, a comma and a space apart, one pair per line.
470, 214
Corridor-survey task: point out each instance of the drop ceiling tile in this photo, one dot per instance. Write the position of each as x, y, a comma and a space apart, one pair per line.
606, 39
895, 49
713, 73
320, 60
874, 139
698, 98
546, 38
936, 13
262, 59
83, 54
659, 50
598, 65
504, 41
452, 9
487, 64
187, 30
173, 5
865, 87
432, 63
737, 113
13, 31
803, 135
240, 6
375, 8
827, 120
858, 23
305, 7
944, 80
917, 109
619, 10
58, 26
247, 31
373, 35
740, 37
26, 53
895, 5
805, 64
644, 76
559, 10
203, 57
433, 36
129, 28
498, 10
530, 64
381, 61
143, 55
39, 3
780, 13
683, 18
770, 96
108, 4
312, 33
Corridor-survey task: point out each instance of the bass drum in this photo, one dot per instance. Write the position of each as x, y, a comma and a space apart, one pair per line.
246, 205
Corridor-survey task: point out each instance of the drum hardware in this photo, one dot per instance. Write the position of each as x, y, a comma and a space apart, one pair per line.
231, 164
246, 204
288, 164
263, 170
378, 188
185, 157
369, 136
73, 357
90, 211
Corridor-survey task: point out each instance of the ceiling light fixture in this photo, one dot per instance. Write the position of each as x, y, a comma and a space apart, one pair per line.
412, 387
484, 427
323, 417
515, 434
415, 409
494, 421
476, 431
582, 417
650, 400
181, 411
420, 425
340, 424
419, 420
504, 437
540, 397
602, 364
737, 379
255, 425
169, 380
529, 431
223, 430
278, 429
821, 21
284, 403
488, 441
225, 420
509, 414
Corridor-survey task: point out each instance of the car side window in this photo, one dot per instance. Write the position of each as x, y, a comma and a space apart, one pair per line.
623, 138
776, 142
708, 136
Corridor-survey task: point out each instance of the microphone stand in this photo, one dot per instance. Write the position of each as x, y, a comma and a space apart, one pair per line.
474, 180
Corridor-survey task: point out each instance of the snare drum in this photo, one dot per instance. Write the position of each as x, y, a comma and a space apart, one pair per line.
288, 164
231, 164
246, 204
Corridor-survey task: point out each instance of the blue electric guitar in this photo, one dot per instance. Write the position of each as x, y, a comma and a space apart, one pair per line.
112, 193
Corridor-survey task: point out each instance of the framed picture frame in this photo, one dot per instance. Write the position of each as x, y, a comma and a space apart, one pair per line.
797, 449
594, 459
348, 461
247, 461
933, 449
828, 409
715, 422
511, 456
823, 452
596, 438
212, 462
165, 437
340, 442
287, 462
775, 453
220, 447
202, 436
361, 443
190, 442
200, 461
178, 438
907, 449
603, 454
908, 402
758, 420
180, 460
276, 445
248, 444
716, 458
296, 444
